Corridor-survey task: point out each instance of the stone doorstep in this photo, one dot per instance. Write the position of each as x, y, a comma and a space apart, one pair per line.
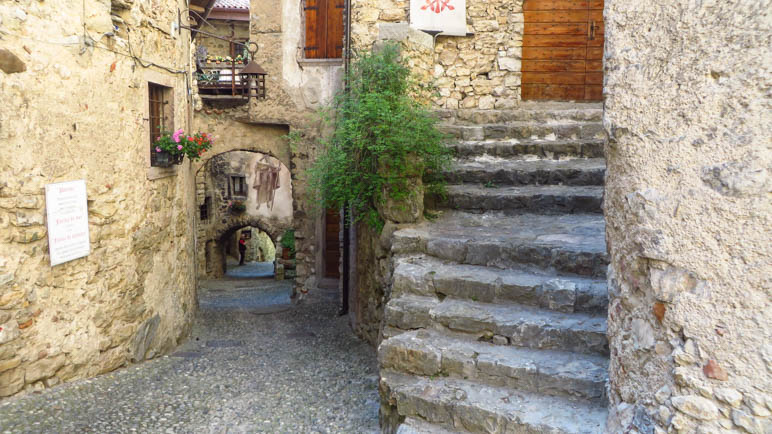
527, 148
527, 130
467, 406
572, 243
427, 276
522, 326
549, 199
547, 372
498, 171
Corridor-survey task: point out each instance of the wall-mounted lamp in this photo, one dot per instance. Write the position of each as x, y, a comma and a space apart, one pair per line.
253, 76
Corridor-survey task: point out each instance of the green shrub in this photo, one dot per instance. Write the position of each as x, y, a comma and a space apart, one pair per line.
288, 240
382, 137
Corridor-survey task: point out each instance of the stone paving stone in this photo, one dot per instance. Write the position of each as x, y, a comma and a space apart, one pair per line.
245, 369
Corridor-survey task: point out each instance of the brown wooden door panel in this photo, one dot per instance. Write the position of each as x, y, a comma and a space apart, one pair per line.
555, 29
593, 93
597, 42
554, 41
594, 65
553, 78
551, 5
595, 53
594, 78
553, 53
562, 55
555, 16
557, 92
554, 66
332, 243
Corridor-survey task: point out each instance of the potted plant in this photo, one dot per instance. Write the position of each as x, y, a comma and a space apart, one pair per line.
238, 59
236, 207
176, 146
288, 244
218, 59
228, 59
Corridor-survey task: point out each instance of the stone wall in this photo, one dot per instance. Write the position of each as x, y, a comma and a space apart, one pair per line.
689, 215
226, 29
478, 71
76, 107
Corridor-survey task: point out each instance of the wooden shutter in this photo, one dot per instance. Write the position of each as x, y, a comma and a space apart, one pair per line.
335, 10
315, 43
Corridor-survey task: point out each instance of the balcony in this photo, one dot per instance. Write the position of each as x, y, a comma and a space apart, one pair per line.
220, 81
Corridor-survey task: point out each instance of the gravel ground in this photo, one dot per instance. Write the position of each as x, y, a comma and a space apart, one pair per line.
253, 364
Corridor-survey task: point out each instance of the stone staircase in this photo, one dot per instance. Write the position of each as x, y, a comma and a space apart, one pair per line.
497, 317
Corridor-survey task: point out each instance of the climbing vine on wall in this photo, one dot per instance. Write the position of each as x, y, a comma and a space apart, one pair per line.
383, 139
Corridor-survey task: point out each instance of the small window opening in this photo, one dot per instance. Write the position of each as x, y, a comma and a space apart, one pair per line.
238, 185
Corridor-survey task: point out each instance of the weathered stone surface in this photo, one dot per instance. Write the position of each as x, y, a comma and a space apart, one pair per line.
464, 405
10, 62
44, 368
696, 406
685, 200
747, 422
70, 310
729, 396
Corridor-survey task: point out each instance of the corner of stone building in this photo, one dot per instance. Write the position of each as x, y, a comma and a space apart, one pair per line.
688, 218
78, 110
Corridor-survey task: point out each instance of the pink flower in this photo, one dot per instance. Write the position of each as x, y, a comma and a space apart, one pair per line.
157, 149
179, 147
177, 135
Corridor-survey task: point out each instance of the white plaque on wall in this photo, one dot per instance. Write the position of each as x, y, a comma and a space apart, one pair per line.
67, 217
446, 16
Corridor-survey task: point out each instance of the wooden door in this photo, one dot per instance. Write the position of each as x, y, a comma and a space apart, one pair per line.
563, 50
332, 243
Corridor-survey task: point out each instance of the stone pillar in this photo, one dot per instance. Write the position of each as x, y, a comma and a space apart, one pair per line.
688, 215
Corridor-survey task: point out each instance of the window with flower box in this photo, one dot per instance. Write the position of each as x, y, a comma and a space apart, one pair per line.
160, 115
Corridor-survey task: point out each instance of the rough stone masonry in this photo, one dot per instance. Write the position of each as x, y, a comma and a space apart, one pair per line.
688, 215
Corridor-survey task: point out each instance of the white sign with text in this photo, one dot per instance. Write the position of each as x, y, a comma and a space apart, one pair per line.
446, 16
67, 215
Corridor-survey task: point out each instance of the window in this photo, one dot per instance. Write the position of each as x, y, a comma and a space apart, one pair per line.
204, 209
237, 186
159, 115
324, 29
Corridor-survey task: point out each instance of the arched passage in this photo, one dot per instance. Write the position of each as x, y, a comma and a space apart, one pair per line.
239, 189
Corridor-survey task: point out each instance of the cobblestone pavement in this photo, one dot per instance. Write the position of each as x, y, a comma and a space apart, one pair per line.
253, 363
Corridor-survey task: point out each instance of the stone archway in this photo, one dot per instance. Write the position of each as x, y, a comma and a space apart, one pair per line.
238, 188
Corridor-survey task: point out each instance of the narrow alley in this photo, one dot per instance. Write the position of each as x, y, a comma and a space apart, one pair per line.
253, 363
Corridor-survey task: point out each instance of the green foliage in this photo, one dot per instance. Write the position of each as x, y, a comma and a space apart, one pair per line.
288, 240
382, 140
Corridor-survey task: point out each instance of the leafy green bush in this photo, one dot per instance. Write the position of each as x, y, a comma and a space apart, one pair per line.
383, 139
288, 241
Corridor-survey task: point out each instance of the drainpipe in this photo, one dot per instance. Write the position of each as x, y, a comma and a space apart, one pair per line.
346, 272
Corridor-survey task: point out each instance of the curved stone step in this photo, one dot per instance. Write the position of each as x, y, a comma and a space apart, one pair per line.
545, 199
459, 405
427, 276
521, 325
565, 243
518, 148
526, 130
504, 172
554, 373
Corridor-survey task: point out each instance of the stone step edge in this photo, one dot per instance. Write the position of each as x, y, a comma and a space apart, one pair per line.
431, 353
572, 260
522, 326
462, 405
413, 425
567, 294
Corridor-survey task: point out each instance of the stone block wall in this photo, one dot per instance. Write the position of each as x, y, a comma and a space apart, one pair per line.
689, 214
478, 71
75, 107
